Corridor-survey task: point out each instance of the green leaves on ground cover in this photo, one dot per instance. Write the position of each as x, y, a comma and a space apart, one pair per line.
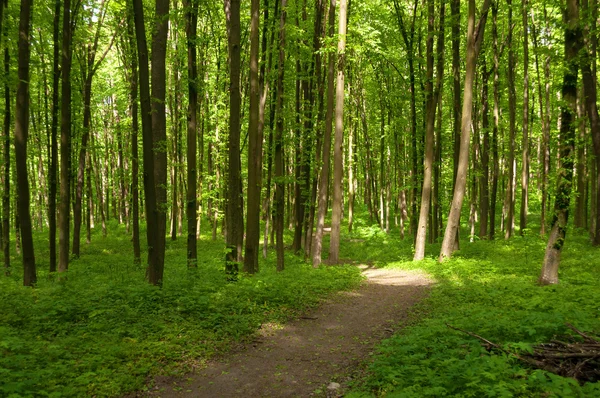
103, 330
489, 288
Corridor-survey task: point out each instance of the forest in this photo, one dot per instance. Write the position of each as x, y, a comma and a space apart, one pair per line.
179, 178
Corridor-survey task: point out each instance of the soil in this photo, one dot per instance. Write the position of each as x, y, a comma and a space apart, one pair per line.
314, 355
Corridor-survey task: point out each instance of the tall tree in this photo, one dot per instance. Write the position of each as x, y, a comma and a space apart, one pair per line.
278, 217
64, 214
159, 136
150, 199
525, 143
191, 27
234, 214
474, 40
432, 102
337, 199
512, 115
6, 149
53, 136
591, 98
254, 150
21, 135
317, 243
558, 229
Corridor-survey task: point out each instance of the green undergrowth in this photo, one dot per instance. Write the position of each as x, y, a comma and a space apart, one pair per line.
490, 289
103, 330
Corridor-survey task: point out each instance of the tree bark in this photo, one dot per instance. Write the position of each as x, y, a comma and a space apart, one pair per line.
21, 134
191, 7
558, 229
591, 97
337, 200
64, 214
278, 218
254, 150
234, 213
525, 158
512, 112
474, 40
6, 155
159, 138
317, 243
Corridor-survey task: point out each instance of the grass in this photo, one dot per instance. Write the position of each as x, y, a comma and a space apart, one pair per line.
103, 331
488, 288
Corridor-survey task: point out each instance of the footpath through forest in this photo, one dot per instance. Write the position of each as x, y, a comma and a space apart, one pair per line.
315, 355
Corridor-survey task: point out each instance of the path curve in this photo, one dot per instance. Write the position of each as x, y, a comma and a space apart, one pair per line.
303, 358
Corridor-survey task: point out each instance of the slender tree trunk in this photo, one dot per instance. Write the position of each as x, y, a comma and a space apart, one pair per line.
484, 197
254, 150
21, 134
474, 40
591, 98
234, 213
337, 200
429, 139
150, 200
159, 137
65, 143
6, 156
512, 112
558, 229
135, 211
525, 158
317, 243
278, 218
191, 7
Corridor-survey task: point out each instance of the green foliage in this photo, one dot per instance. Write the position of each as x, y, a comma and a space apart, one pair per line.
488, 288
103, 330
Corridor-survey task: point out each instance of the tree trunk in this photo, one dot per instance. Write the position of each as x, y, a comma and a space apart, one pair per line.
21, 134
591, 97
278, 218
65, 143
525, 159
474, 40
317, 243
234, 213
6, 156
512, 112
556, 240
254, 150
133, 86
429, 139
191, 7
484, 197
496, 114
159, 138
150, 200
337, 200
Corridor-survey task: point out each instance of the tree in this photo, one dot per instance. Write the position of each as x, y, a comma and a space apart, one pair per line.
6, 149
279, 183
21, 135
234, 214
254, 150
317, 243
191, 7
474, 40
155, 231
558, 229
432, 102
64, 215
337, 200
512, 114
525, 143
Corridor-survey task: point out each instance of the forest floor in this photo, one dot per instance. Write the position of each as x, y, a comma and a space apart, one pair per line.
317, 354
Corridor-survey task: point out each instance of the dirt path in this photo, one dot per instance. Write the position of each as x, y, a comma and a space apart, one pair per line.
320, 350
